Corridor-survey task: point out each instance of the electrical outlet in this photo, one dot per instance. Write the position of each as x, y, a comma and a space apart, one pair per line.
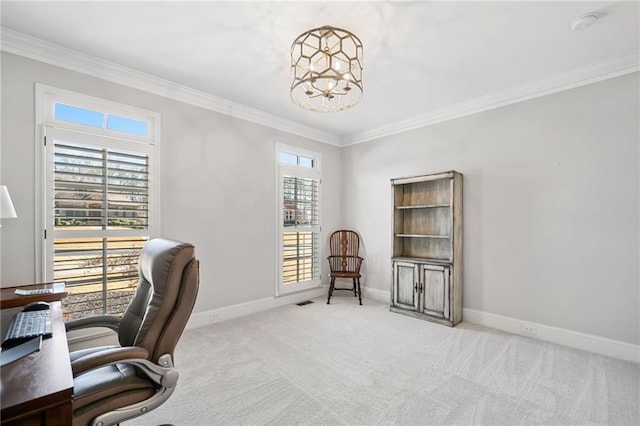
213, 317
529, 329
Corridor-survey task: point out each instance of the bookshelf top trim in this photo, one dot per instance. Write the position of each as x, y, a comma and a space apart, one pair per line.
424, 178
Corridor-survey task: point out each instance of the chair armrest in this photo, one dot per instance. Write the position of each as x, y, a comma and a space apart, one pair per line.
108, 321
164, 373
106, 357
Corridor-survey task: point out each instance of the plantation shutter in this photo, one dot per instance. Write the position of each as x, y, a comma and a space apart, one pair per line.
101, 221
300, 243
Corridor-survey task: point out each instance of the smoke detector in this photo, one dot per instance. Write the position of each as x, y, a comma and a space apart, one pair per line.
584, 21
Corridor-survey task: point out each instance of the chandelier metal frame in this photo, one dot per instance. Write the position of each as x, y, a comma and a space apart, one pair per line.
326, 69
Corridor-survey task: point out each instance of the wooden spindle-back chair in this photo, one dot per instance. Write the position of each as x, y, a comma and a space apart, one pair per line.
344, 261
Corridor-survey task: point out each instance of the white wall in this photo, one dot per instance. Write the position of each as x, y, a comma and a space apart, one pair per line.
551, 205
551, 197
218, 183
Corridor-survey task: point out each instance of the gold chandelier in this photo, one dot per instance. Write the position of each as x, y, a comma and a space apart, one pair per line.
326, 67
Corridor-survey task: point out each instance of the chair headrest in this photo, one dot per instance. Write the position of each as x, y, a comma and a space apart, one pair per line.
160, 258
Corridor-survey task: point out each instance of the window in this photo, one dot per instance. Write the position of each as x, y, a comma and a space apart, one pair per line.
298, 219
86, 117
73, 114
99, 198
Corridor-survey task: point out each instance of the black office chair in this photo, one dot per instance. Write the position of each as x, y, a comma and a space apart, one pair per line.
117, 383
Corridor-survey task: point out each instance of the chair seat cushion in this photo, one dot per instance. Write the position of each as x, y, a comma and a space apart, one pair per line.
344, 274
107, 381
108, 388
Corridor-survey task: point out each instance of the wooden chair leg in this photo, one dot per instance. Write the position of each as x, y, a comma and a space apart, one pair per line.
332, 284
359, 291
355, 290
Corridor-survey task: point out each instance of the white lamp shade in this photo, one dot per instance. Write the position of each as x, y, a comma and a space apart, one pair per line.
6, 206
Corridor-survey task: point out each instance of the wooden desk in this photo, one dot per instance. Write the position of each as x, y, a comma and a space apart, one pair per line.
8, 298
38, 389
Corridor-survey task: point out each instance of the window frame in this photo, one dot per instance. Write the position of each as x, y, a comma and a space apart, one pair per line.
51, 95
48, 127
314, 172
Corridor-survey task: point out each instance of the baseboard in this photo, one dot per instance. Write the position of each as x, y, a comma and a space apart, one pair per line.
375, 294
200, 319
560, 336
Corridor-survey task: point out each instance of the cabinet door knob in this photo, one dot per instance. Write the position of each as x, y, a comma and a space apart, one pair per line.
415, 288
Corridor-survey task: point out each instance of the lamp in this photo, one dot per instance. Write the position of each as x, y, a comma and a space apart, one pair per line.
326, 68
6, 206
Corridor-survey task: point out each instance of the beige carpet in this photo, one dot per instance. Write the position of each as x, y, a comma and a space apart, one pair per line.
344, 364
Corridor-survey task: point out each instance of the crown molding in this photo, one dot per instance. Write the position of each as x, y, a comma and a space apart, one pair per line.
50, 53
54, 54
603, 70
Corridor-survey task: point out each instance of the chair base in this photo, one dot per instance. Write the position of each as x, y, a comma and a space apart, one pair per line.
357, 291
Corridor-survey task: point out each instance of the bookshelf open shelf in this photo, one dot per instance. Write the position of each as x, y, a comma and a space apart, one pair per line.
422, 236
431, 206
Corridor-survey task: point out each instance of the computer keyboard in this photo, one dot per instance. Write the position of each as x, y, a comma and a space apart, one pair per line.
26, 325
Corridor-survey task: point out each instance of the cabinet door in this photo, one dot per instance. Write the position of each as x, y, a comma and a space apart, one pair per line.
405, 284
434, 281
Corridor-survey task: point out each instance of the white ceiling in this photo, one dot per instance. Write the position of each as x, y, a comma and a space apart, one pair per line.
419, 57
